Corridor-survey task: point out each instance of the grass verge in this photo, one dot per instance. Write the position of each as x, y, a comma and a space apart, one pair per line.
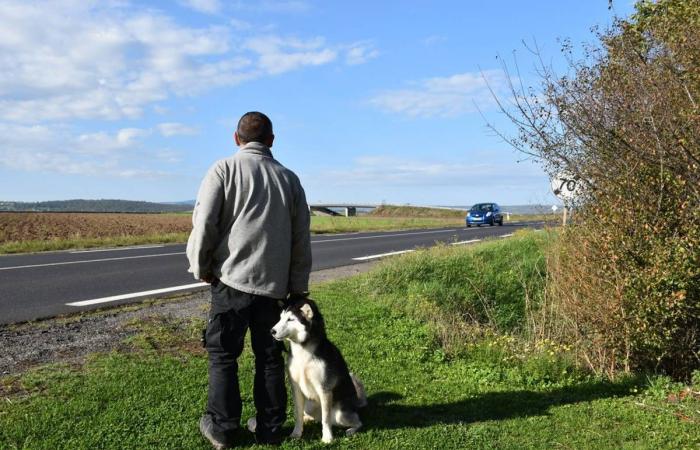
77, 243
419, 397
325, 224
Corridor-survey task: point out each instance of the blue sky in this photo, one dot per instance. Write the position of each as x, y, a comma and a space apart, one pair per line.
372, 101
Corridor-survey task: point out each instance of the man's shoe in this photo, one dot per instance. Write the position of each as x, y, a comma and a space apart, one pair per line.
269, 440
206, 427
252, 424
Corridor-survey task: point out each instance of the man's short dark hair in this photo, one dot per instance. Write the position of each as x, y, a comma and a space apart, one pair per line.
254, 127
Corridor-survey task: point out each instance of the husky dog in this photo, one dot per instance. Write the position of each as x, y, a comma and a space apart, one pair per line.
322, 385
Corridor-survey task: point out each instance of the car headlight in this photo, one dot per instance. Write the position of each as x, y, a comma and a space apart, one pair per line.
488, 214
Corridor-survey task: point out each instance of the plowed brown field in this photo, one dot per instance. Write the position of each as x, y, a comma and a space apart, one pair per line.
19, 227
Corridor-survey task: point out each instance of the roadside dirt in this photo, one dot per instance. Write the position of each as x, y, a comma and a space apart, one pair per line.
69, 339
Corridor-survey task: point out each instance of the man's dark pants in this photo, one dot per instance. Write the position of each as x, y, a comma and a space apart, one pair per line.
232, 313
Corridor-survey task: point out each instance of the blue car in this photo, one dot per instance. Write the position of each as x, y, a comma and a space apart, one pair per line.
484, 213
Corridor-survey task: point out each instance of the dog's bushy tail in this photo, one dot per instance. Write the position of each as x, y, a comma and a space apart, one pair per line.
360, 390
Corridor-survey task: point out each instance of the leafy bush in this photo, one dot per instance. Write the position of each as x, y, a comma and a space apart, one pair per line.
626, 277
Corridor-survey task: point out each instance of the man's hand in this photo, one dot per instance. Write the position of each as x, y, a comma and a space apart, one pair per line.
208, 278
296, 296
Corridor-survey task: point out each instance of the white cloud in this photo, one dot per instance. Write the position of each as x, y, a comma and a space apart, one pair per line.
175, 129
240, 25
372, 172
360, 53
169, 156
443, 96
277, 55
203, 6
101, 142
383, 170
64, 59
273, 6
56, 149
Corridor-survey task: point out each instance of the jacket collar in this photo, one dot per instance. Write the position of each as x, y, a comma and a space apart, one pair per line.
256, 148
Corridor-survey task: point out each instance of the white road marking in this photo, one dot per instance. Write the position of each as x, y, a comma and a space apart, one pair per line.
63, 263
385, 235
465, 242
381, 255
117, 249
115, 298
506, 235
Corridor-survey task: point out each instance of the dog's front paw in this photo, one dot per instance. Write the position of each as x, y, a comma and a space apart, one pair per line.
327, 438
296, 434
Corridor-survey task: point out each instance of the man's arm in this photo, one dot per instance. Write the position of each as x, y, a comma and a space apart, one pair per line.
301, 246
205, 220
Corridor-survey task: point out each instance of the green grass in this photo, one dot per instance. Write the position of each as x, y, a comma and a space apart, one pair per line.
416, 211
77, 243
492, 283
326, 224
419, 397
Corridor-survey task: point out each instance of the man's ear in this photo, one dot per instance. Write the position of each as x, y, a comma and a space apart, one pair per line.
236, 138
270, 140
307, 311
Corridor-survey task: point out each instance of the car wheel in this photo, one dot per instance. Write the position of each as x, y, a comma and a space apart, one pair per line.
500, 223
469, 225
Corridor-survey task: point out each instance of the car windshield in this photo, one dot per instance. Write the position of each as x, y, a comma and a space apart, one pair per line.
482, 207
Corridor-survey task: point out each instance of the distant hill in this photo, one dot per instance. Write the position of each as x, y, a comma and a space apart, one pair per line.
104, 205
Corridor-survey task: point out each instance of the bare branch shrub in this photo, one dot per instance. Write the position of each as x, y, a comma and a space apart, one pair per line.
625, 277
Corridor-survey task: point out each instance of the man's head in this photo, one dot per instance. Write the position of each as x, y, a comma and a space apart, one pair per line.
254, 127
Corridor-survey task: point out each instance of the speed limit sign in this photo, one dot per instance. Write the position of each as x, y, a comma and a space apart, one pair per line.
565, 186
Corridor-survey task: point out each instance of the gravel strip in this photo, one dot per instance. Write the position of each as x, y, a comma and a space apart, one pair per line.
69, 339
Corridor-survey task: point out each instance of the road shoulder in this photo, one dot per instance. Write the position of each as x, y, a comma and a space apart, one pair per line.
70, 339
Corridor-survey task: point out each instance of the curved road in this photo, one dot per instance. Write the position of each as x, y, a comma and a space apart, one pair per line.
40, 285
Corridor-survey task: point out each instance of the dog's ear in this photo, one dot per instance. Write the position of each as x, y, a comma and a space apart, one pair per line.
307, 311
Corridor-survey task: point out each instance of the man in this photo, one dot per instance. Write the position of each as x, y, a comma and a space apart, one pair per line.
250, 241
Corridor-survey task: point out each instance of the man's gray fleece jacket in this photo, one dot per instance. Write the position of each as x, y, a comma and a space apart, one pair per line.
251, 225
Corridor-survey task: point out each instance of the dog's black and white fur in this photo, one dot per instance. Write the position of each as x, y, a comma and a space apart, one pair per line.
322, 385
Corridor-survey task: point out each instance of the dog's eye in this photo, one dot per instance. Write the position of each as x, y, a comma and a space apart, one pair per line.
290, 319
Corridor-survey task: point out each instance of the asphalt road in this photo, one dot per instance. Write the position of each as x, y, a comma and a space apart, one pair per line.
40, 285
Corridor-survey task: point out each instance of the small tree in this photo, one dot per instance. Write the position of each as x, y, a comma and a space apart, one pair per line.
626, 278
